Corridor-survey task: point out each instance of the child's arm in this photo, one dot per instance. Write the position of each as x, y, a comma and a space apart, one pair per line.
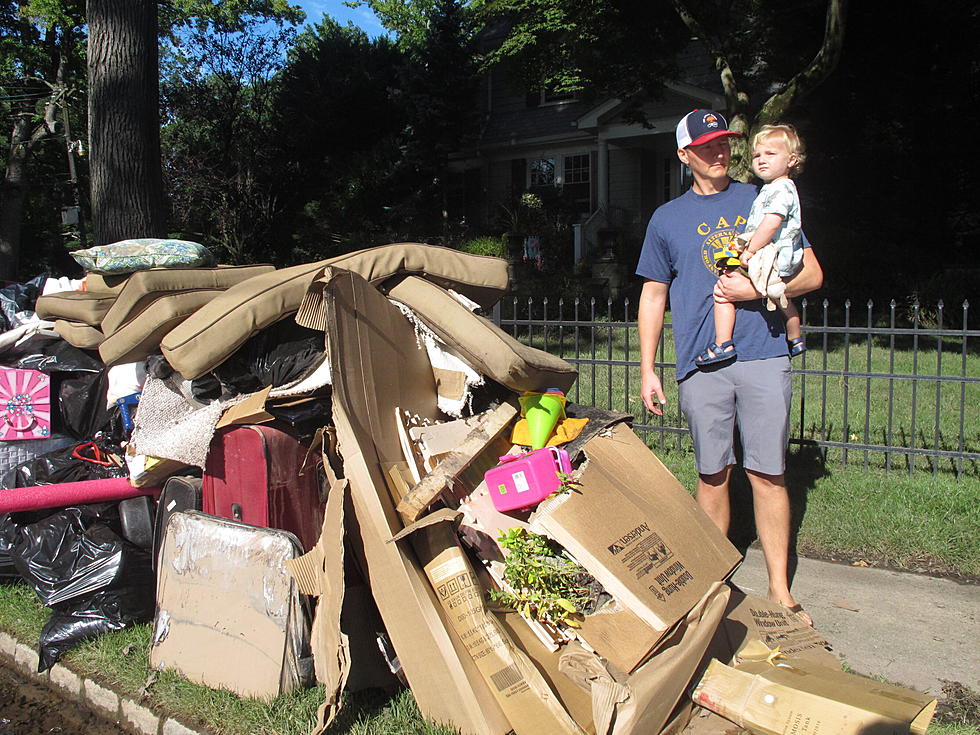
763, 235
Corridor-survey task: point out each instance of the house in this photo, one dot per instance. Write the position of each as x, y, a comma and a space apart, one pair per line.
613, 172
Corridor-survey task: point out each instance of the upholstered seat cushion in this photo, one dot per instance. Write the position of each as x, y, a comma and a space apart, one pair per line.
213, 333
485, 346
79, 334
76, 306
140, 337
144, 287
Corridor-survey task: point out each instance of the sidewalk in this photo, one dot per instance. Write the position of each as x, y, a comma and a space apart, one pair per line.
909, 628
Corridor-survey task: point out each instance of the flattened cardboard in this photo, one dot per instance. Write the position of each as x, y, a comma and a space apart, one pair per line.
750, 618
371, 345
791, 696
652, 548
320, 572
647, 702
522, 692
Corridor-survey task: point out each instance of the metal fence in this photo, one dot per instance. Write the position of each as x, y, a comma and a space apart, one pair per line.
893, 389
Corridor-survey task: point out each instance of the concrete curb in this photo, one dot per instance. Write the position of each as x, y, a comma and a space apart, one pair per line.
127, 712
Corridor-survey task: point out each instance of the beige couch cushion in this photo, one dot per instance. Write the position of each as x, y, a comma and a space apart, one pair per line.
76, 306
211, 335
140, 337
485, 346
144, 287
79, 334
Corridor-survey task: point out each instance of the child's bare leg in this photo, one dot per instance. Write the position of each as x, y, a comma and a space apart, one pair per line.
724, 314
793, 328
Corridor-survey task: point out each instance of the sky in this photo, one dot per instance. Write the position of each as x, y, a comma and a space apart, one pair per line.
363, 16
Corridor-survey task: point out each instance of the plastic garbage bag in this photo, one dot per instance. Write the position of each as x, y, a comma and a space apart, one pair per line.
18, 298
91, 460
79, 564
74, 622
274, 356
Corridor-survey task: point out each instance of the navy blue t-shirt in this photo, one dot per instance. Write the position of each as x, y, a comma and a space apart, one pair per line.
679, 248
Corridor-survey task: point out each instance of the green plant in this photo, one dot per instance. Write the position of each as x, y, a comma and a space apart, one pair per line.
545, 584
486, 245
566, 483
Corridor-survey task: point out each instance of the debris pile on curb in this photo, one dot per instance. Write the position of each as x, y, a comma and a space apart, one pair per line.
340, 472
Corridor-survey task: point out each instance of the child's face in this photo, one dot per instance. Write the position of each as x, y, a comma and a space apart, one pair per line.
771, 158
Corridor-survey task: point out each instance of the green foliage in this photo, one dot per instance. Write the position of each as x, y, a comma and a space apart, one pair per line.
486, 245
545, 584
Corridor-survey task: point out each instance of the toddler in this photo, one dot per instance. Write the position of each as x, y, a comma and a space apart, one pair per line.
771, 248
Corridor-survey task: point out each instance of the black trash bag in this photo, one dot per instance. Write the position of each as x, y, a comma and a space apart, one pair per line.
275, 356
19, 297
75, 551
79, 379
78, 563
73, 463
72, 623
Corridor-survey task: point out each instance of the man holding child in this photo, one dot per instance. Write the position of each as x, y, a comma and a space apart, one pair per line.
753, 391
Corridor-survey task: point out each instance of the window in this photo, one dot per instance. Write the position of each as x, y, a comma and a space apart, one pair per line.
541, 172
576, 169
572, 173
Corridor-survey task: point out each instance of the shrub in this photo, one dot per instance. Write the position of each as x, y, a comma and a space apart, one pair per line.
486, 245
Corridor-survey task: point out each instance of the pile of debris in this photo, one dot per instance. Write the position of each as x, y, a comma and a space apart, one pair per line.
341, 472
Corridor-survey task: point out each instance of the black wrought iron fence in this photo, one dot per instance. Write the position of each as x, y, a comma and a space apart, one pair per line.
892, 388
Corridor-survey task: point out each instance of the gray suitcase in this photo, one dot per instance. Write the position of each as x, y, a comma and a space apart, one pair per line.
229, 615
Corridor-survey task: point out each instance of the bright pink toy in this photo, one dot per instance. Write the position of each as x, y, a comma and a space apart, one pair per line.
520, 481
25, 404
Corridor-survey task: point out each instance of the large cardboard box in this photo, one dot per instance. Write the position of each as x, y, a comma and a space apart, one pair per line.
635, 528
791, 696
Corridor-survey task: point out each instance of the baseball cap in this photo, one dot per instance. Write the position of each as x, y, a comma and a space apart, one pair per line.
700, 126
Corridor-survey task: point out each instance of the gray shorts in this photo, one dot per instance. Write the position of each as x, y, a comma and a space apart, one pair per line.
756, 396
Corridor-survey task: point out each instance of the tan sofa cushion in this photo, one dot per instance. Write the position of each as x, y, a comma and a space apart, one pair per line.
144, 287
140, 337
211, 335
485, 346
79, 334
76, 306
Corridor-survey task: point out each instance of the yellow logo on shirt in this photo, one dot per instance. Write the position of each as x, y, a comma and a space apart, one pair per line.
718, 238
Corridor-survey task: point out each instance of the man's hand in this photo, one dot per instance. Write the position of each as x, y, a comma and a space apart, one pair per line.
652, 392
732, 286
745, 257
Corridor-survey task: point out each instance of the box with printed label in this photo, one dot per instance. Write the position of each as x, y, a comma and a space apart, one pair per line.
635, 528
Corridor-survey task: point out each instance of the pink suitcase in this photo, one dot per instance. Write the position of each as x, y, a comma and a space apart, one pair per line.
25, 402
256, 475
520, 481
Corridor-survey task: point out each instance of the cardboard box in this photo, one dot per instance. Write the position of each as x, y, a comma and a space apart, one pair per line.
651, 546
522, 692
791, 696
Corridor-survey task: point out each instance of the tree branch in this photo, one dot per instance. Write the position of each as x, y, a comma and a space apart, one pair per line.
816, 72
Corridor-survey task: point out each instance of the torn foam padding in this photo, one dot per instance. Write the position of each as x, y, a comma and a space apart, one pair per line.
444, 360
168, 425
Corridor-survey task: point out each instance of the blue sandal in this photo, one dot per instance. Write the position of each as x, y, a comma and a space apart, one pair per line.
721, 354
796, 346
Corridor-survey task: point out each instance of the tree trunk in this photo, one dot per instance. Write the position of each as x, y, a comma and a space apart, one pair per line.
124, 120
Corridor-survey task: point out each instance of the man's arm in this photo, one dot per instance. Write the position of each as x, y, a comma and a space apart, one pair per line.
733, 286
650, 322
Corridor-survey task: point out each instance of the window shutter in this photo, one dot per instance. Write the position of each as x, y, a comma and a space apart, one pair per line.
518, 177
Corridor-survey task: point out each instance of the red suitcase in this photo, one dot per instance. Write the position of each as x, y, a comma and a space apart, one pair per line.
256, 475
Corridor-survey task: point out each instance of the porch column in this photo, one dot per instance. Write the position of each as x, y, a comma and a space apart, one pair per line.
602, 176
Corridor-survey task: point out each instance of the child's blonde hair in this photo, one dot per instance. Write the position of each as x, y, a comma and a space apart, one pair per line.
792, 139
